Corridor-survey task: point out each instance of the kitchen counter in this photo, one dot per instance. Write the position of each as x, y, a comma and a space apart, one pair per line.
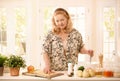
7, 77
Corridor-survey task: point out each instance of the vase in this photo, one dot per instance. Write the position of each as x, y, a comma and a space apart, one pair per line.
14, 71
1, 71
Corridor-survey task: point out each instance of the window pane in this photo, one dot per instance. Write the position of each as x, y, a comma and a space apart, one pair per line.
3, 32
20, 35
77, 15
109, 33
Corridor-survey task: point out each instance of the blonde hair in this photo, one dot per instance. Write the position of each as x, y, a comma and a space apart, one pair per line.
67, 29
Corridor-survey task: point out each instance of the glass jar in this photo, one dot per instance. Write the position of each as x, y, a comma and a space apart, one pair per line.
108, 69
99, 72
108, 73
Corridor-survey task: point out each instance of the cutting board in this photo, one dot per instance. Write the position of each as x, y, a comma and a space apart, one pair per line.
39, 73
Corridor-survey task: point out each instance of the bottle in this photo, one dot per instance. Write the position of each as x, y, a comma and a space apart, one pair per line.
100, 60
75, 70
70, 69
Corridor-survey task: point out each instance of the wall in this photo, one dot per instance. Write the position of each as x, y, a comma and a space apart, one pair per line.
118, 29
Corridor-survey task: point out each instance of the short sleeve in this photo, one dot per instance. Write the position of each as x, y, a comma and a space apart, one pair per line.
47, 44
80, 40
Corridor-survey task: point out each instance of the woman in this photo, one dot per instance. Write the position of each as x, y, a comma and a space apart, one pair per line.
63, 43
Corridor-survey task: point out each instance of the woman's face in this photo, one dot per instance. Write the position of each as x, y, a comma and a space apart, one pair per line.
60, 21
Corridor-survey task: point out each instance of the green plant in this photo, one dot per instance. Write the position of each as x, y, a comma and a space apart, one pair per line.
81, 68
15, 61
2, 60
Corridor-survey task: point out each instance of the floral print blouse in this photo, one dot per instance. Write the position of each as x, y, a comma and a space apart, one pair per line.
53, 46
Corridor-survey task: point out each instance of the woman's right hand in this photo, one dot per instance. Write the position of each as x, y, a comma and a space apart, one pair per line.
47, 69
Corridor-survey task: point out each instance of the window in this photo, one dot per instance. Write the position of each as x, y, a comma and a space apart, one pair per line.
12, 28
3, 32
108, 31
78, 16
107, 11
20, 34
